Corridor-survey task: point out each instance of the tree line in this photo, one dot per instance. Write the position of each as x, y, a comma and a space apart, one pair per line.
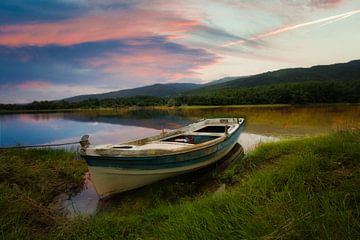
290, 93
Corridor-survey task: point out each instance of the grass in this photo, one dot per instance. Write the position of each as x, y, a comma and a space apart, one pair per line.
29, 181
294, 189
234, 106
298, 189
166, 107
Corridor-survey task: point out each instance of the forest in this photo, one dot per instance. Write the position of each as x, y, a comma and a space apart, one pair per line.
288, 93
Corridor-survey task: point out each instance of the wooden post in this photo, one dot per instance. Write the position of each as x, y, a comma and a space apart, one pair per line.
84, 142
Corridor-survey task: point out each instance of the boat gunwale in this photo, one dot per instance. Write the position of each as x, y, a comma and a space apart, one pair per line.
175, 167
178, 131
197, 147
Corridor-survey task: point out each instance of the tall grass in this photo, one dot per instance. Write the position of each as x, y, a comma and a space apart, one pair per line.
29, 181
298, 189
294, 189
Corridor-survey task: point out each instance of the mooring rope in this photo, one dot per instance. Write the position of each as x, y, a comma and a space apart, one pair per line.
42, 145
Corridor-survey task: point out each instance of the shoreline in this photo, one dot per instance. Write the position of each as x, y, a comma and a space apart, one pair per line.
252, 190
165, 107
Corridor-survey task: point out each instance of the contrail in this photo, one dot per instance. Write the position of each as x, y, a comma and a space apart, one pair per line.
326, 21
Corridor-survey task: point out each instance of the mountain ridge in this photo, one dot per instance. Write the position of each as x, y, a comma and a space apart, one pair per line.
155, 90
334, 72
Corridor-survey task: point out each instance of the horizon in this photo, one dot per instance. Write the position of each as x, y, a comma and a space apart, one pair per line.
180, 83
64, 48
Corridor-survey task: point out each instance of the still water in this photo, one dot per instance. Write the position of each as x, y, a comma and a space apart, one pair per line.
125, 125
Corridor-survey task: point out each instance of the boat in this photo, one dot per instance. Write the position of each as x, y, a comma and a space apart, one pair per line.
116, 168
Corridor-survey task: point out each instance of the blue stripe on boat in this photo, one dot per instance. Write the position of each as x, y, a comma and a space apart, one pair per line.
161, 162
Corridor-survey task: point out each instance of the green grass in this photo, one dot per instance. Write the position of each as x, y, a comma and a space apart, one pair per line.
294, 189
29, 181
299, 189
234, 106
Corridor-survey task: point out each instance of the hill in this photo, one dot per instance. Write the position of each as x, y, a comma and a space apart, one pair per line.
322, 74
222, 80
336, 83
156, 90
334, 72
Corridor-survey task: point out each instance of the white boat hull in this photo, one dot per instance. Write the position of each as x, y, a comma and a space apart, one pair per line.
108, 181
118, 168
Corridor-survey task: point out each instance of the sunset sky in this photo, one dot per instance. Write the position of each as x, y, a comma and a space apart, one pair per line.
61, 48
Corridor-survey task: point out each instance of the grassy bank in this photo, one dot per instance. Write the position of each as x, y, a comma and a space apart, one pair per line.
295, 189
167, 107
307, 188
234, 106
130, 108
29, 182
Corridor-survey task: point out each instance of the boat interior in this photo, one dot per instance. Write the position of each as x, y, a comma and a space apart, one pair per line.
192, 139
212, 129
198, 136
192, 135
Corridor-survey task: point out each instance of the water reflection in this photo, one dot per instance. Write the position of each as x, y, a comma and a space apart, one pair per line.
128, 124
84, 203
289, 121
103, 127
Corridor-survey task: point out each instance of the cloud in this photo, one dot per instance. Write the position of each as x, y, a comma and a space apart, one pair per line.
14, 94
211, 34
34, 84
54, 63
312, 4
102, 45
157, 65
17, 11
38, 11
114, 24
154, 59
324, 3
285, 29
107, 65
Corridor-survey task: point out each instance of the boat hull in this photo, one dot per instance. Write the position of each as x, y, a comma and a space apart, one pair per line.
112, 175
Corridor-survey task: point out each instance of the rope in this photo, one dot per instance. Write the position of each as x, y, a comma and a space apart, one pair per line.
43, 145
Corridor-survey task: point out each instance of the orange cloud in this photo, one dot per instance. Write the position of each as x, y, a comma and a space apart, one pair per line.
107, 26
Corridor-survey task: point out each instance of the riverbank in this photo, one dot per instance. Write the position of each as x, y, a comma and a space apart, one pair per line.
166, 107
30, 180
304, 188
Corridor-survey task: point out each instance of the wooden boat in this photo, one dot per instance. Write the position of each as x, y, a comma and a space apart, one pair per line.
120, 167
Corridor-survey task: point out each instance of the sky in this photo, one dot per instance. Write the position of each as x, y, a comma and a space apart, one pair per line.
61, 48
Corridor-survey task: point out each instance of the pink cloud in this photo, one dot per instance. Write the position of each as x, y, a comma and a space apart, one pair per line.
325, 3
34, 84
107, 26
150, 65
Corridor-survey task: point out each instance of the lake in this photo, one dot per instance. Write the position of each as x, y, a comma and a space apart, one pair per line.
115, 126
